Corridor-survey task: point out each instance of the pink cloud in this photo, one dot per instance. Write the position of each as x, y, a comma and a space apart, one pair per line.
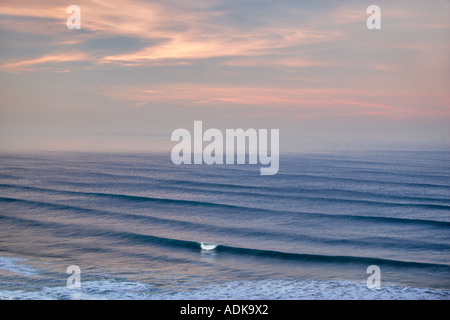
190, 34
30, 64
285, 102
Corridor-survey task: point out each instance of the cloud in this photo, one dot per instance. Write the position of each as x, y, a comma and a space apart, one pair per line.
287, 103
186, 32
54, 60
202, 42
232, 55
278, 60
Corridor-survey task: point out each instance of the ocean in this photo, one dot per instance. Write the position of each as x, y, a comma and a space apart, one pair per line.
133, 224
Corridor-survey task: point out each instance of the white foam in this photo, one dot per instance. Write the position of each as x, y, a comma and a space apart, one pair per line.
16, 266
304, 290
207, 246
275, 289
105, 289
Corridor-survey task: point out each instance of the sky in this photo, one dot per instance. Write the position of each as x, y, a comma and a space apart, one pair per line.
137, 70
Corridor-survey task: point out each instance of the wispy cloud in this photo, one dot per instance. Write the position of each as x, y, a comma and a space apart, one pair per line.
285, 103
282, 61
49, 61
201, 45
188, 34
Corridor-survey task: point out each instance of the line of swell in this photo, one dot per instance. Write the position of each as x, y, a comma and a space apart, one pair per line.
288, 176
175, 223
299, 193
299, 196
193, 245
359, 180
237, 208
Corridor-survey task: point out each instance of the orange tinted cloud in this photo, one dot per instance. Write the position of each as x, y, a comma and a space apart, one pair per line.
188, 33
29, 64
284, 102
201, 43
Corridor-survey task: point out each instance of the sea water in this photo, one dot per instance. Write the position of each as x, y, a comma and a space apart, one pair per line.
133, 224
